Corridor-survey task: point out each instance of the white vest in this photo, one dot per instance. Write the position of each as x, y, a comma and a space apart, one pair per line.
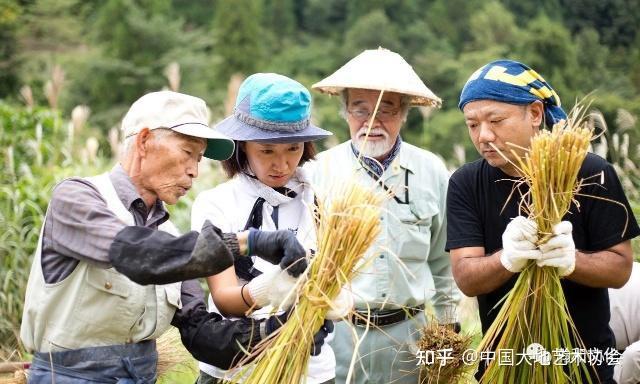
94, 306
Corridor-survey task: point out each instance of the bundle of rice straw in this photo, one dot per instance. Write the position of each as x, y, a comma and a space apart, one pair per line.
172, 355
445, 364
19, 377
348, 225
535, 310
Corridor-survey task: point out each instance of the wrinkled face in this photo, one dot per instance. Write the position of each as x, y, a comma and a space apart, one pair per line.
169, 164
273, 164
492, 122
386, 125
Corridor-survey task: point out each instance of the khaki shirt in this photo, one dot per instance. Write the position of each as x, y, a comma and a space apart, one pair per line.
407, 266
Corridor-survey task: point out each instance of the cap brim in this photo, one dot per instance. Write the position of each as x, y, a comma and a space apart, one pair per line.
219, 146
239, 131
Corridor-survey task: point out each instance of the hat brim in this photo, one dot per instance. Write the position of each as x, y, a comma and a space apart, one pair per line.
380, 69
240, 131
219, 147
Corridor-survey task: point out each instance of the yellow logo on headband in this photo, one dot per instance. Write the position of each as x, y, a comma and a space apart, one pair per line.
526, 78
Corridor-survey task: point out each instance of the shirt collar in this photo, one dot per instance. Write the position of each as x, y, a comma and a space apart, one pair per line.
130, 197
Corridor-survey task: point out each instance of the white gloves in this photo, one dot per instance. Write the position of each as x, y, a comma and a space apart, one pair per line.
341, 306
275, 288
272, 288
519, 244
560, 250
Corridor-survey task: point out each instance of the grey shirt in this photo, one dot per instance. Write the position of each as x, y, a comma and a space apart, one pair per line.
80, 226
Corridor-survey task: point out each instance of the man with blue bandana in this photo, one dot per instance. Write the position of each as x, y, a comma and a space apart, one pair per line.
504, 103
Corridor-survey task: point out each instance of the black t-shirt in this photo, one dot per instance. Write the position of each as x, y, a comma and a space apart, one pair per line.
477, 216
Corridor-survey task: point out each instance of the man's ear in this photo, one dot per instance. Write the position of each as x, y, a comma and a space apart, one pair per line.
143, 139
536, 111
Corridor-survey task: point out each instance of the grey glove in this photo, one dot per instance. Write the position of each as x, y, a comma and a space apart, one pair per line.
278, 247
210, 246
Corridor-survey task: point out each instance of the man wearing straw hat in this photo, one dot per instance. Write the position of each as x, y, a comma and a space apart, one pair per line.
408, 266
107, 277
490, 242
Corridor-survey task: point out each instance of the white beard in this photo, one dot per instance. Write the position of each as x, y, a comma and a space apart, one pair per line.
375, 149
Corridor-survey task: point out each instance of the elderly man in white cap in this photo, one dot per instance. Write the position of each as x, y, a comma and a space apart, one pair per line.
408, 267
107, 275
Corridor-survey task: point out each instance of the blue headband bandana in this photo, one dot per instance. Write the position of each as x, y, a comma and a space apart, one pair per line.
512, 82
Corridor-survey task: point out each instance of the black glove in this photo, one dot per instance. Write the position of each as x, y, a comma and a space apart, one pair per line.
276, 321
278, 247
318, 338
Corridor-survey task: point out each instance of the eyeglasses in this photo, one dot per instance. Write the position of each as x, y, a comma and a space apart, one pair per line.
382, 114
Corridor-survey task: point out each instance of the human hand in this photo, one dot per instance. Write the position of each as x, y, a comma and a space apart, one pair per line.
560, 251
519, 244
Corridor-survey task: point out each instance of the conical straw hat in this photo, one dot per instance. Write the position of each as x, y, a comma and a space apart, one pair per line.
379, 69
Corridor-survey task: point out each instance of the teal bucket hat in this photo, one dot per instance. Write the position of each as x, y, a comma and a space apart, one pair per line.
271, 108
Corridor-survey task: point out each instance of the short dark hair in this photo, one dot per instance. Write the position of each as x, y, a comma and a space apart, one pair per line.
238, 162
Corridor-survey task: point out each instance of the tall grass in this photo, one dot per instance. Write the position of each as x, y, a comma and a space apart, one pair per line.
34, 155
622, 148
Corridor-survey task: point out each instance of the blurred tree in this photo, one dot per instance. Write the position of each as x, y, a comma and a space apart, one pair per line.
196, 13
450, 19
370, 31
617, 21
493, 25
443, 131
49, 31
313, 59
359, 8
129, 55
405, 12
635, 65
524, 11
9, 16
443, 73
591, 61
324, 17
280, 19
547, 46
114, 50
416, 37
237, 33
50, 26
142, 34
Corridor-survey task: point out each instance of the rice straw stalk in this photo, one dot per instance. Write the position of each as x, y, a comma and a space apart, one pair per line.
348, 225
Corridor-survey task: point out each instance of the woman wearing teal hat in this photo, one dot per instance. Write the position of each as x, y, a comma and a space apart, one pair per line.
267, 190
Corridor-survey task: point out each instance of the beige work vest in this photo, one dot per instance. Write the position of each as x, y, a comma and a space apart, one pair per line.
95, 306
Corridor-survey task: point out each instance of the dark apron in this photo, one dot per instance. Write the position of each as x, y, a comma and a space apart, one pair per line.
116, 364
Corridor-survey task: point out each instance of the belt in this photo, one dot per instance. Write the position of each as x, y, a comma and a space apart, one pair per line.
380, 318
